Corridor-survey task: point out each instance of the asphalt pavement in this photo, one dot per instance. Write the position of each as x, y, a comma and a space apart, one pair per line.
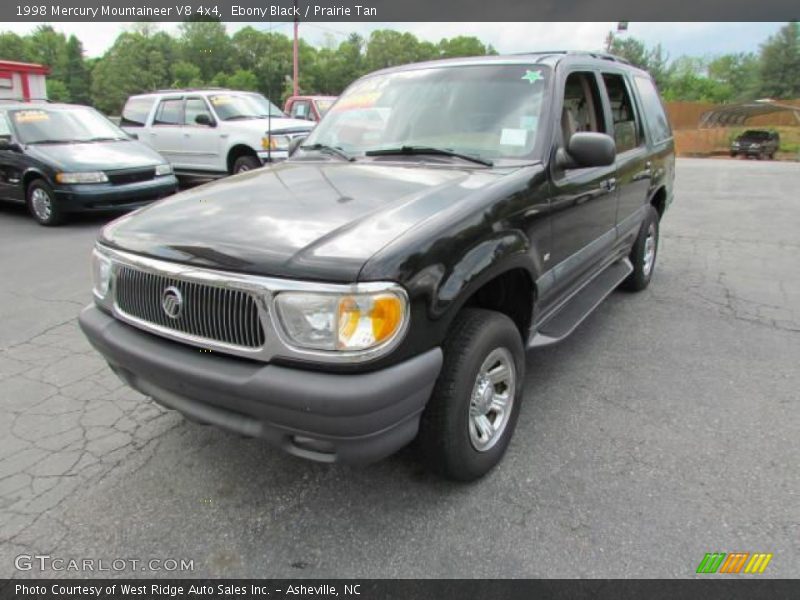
666, 427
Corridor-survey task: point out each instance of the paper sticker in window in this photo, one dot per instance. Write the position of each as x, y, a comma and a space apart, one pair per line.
513, 137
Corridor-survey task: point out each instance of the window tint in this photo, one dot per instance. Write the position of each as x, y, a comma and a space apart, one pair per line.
582, 109
168, 112
300, 109
194, 107
135, 112
657, 122
5, 128
627, 129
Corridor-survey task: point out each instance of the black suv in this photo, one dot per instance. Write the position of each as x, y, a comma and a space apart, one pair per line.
385, 282
756, 142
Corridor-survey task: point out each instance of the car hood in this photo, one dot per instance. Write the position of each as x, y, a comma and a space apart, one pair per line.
96, 156
297, 219
275, 124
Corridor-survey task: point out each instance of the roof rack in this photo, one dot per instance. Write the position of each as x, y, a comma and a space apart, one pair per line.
599, 55
198, 89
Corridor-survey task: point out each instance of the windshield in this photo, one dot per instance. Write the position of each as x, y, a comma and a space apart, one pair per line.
486, 111
43, 125
756, 135
323, 106
230, 107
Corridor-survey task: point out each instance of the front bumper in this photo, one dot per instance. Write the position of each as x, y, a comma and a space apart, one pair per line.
273, 156
105, 196
329, 417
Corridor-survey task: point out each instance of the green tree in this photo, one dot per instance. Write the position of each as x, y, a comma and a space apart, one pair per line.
241, 79
135, 63
58, 91
388, 48
48, 47
186, 74
780, 63
207, 45
13, 47
462, 46
738, 72
76, 75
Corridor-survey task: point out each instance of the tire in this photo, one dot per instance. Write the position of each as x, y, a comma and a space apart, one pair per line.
480, 341
643, 262
42, 204
733, 154
248, 162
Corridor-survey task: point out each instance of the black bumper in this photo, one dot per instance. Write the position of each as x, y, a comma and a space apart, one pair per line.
104, 197
330, 417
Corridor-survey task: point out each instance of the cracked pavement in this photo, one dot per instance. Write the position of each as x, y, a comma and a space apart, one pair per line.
666, 427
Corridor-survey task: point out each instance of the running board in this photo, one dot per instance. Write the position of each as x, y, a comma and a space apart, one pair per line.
572, 313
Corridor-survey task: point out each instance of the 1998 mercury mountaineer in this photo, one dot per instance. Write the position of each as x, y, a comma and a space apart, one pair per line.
384, 283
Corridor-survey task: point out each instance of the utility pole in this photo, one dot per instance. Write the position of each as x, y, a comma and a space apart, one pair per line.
294, 53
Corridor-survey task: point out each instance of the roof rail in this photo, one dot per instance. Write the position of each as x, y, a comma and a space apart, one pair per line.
197, 89
599, 55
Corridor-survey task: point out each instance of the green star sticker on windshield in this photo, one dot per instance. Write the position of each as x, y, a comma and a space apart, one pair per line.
532, 76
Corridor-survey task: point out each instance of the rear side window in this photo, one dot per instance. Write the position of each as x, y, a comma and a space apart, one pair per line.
657, 122
168, 112
5, 128
627, 130
136, 111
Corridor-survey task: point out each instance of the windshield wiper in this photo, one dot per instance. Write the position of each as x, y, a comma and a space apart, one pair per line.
54, 142
103, 139
412, 150
330, 150
240, 117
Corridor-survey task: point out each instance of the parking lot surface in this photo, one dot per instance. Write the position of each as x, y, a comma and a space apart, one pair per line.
666, 427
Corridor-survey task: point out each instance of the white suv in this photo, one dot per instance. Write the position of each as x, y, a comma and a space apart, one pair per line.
212, 132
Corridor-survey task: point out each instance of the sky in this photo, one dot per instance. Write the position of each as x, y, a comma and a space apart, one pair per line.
695, 39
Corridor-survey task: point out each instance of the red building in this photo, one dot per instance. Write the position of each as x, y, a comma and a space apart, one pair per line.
24, 81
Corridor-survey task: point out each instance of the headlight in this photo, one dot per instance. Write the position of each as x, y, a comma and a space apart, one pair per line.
275, 142
101, 274
165, 169
342, 322
84, 177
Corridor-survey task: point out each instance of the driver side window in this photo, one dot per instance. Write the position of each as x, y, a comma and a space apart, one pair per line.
582, 109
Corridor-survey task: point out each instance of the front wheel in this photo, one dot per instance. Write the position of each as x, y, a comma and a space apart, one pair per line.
472, 413
643, 254
245, 163
42, 204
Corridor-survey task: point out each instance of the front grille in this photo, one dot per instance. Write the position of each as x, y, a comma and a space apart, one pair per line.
209, 312
131, 176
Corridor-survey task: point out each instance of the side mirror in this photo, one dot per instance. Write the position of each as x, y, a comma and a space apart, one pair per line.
295, 143
587, 149
204, 119
9, 145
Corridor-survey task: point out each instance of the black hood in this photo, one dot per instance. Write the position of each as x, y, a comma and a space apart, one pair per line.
96, 156
313, 220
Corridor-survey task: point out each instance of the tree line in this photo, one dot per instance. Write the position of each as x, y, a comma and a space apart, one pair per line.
203, 53
772, 72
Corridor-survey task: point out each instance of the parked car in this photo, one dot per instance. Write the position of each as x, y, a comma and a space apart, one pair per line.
309, 108
212, 132
756, 142
370, 291
61, 158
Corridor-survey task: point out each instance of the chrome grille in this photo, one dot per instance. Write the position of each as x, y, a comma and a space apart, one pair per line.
209, 312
